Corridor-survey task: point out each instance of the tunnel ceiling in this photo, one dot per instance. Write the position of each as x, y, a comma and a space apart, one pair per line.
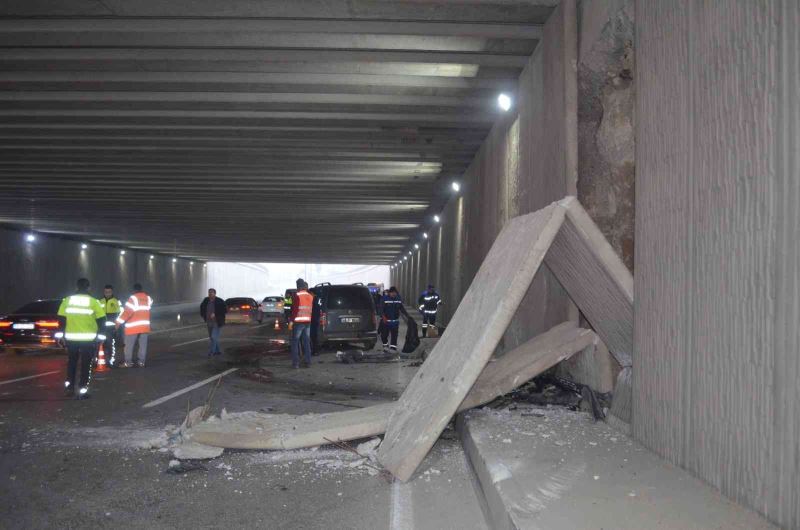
323, 131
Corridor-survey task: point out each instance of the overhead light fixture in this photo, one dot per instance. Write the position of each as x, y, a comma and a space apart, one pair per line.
205, 265
456, 186
425, 235
504, 102
84, 246
416, 245
436, 219
30, 238
121, 252
152, 257
191, 263
174, 260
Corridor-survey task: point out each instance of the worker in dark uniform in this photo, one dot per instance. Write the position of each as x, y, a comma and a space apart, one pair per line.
429, 305
111, 306
391, 308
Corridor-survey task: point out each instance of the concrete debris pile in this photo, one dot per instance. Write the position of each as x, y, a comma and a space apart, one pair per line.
460, 372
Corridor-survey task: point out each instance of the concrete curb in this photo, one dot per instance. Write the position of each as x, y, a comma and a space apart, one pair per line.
494, 509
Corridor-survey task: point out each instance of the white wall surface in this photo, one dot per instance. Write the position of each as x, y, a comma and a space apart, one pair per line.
265, 279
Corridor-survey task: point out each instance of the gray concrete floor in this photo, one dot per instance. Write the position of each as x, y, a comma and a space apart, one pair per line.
71, 464
552, 468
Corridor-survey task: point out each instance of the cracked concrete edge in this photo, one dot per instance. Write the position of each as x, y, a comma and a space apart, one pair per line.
497, 514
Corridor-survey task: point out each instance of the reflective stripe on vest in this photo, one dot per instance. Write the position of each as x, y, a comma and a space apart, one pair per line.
81, 312
304, 302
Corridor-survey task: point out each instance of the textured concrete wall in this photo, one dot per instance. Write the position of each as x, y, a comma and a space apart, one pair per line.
528, 161
716, 368
49, 267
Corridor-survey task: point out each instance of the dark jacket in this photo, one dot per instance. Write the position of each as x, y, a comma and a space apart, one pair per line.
391, 309
219, 310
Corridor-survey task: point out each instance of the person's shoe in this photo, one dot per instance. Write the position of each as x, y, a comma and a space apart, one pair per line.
69, 391
295, 367
140, 365
217, 353
305, 365
83, 393
125, 365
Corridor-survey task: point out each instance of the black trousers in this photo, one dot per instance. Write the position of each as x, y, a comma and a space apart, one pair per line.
110, 344
390, 329
428, 321
84, 353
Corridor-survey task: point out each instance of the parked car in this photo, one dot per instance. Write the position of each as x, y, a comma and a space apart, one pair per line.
34, 326
242, 310
343, 314
272, 305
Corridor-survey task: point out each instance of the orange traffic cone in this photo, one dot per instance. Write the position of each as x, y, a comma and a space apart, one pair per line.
101, 359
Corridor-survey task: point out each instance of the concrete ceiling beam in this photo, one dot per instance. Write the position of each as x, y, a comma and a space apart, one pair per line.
276, 55
270, 25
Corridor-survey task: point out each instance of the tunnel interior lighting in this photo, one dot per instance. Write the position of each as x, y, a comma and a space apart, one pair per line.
121, 252
30, 238
191, 263
84, 246
425, 235
205, 265
504, 102
436, 218
416, 245
174, 260
152, 257
456, 186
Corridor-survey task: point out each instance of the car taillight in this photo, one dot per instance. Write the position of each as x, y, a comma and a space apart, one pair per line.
47, 323
245, 307
4, 324
323, 319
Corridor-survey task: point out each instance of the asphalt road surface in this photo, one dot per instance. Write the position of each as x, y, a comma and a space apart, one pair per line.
66, 463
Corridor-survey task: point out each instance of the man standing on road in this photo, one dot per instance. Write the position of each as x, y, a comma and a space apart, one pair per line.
111, 306
302, 304
428, 305
85, 325
136, 318
213, 309
392, 307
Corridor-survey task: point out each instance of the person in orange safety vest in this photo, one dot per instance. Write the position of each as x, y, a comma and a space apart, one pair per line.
302, 304
136, 319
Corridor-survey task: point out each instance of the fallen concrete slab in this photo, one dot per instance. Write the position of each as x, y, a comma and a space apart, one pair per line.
253, 430
584, 475
472, 335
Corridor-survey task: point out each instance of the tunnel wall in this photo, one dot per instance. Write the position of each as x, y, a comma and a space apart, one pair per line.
532, 157
716, 367
49, 267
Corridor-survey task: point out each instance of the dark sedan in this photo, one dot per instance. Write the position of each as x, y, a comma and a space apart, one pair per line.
34, 326
242, 311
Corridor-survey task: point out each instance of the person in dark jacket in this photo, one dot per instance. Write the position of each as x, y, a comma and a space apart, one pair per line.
428, 303
213, 310
391, 309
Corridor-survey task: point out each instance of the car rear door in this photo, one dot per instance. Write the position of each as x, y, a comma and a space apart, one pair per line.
349, 308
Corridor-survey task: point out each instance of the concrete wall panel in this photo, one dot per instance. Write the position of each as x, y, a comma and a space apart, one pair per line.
49, 267
716, 370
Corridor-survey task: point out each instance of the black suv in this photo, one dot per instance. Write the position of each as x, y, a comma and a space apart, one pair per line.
343, 314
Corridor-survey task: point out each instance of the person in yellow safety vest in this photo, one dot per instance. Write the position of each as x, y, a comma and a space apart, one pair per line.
302, 304
111, 306
85, 324
136, 318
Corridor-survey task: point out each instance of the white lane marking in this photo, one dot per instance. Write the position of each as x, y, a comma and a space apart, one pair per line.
176, 329
402, 511
28, 377
222, 339
187, 389
188, 342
